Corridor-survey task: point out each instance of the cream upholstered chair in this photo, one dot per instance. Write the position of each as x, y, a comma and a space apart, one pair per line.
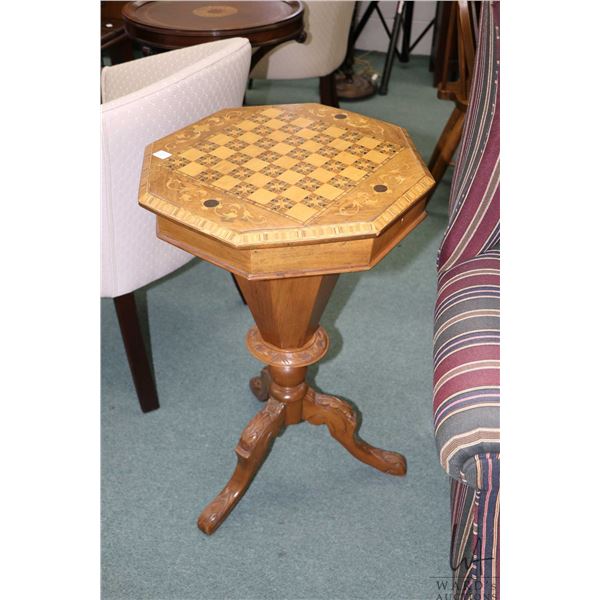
144, 100
327, 26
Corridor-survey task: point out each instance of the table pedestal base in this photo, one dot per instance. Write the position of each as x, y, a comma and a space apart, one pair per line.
288, 338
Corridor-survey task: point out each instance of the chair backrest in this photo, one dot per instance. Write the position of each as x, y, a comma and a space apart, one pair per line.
462, 25
327, 25
145, 100
474, 207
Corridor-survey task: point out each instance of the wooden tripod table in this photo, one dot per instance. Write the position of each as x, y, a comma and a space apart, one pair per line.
286, 197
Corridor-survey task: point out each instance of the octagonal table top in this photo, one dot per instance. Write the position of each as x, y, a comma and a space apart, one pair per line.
284, 174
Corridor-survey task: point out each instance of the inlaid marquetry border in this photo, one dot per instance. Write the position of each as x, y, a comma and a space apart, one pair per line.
299, 235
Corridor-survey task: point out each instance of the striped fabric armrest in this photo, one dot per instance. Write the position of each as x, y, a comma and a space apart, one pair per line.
466, 360
474, 225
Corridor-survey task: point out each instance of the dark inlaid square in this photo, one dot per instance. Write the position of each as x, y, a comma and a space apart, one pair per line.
386, 148
272, 170
277, 186
319, 126
243, 189
269, 156
299, 153
294, 140
315, 201
304, 168
241, 173
233, 131
335, 166
341, 182
207, 147
264, 143
291, 129
328, 151
287, 116
280, 204
262, 130
236, 145
176, 162
352, 136
209, 176
260, 118
308, 183
365, 165
323, 139
213, 160
238, 158
358, 150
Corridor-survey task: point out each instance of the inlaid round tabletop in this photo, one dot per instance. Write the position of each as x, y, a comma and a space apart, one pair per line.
110, 29
179, 24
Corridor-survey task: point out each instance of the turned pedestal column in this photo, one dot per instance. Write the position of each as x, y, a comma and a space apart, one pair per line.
288, 338
286, 198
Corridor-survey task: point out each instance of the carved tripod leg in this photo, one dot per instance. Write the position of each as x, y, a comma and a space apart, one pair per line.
340, 418
251, 451
260, 385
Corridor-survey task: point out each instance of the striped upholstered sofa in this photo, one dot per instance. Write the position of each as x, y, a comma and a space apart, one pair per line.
467, 332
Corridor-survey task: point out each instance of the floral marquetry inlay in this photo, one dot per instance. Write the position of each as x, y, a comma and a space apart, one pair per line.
284, 174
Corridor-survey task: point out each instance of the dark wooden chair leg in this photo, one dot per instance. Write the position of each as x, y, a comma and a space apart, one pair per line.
327, 90
446, 145
137, 355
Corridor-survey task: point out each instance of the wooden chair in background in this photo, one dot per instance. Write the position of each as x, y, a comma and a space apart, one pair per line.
461, 32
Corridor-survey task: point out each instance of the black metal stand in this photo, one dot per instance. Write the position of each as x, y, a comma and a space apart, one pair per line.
402, 22
373, 7
407, 30
404, 11
393, 47
350, 86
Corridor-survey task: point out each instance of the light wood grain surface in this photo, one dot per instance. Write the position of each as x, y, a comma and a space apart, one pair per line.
268, 176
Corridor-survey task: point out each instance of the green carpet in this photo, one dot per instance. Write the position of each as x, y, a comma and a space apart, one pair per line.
316, 523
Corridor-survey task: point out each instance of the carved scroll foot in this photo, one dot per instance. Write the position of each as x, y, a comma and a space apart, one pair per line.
340, 418
260, 385
251, 451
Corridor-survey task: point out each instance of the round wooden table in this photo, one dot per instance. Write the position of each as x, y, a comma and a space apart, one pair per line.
171, 25
286, 198
114, 41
